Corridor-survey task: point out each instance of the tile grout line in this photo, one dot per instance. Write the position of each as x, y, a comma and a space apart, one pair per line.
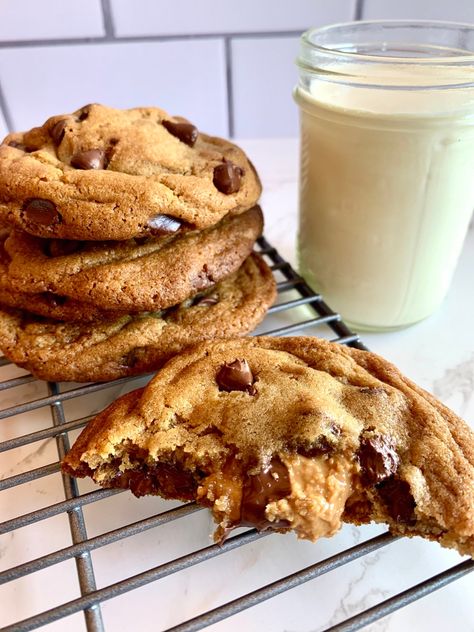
5, 110
230, 87
358, 9
108, 19
130, 39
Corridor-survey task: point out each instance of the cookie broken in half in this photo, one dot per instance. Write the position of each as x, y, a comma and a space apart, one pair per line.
289, 434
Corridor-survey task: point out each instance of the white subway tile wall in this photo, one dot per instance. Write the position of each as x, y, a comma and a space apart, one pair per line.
39, 82
160, 17
50, 19
230, 69
453, 10
263, 77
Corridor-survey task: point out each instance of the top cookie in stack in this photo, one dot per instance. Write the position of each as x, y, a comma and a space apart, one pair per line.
130, 234
102, 173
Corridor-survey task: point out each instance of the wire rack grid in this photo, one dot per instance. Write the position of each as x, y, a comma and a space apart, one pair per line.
297, 309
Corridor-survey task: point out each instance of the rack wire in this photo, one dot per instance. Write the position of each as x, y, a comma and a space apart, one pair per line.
308, 310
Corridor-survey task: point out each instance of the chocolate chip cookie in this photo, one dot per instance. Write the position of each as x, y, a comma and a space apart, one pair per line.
289, 433
106, 174
46, 303
136, 344
137, 275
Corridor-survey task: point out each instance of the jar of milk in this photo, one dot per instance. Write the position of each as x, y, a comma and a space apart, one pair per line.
387, 165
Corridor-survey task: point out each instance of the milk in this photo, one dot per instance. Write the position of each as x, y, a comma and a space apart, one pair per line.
386, 190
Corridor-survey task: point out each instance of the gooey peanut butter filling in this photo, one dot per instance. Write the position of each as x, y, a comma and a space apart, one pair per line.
305, 494
320, 488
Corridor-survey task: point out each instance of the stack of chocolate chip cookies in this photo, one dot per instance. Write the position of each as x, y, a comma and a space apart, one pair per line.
126, 236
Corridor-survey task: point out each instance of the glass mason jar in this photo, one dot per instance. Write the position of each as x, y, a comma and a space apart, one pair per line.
387, 165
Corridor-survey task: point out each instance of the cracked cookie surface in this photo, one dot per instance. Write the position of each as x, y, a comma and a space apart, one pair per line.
289, 433
107, 174
136, 344
136, 275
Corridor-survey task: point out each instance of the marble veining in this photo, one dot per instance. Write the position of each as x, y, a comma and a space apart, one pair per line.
351, 604
457, 381
29, 460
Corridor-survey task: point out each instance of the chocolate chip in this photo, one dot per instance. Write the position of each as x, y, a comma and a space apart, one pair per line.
321, 446
398, 500
84, 112
206, 301
139, 241
61, 247
186, 132
377, 457
134, 357
38, 211
54, 300
163, 224
269, 485
57, 131
227, 177
236, 376
91, 159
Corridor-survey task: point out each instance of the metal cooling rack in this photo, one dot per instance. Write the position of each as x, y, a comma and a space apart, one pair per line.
293, 293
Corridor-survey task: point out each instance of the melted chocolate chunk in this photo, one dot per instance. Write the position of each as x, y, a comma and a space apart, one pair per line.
269, 485
206, 301
167, 480
397, 498
163, 224
136, 453
38, 211
236, 376
91, 159
61, 247
377, 457
185, 132
57, 131
227, 177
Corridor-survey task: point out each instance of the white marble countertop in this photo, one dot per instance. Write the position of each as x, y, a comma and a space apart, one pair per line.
437, 353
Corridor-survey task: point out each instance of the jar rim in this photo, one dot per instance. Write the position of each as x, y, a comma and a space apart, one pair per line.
466, 58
